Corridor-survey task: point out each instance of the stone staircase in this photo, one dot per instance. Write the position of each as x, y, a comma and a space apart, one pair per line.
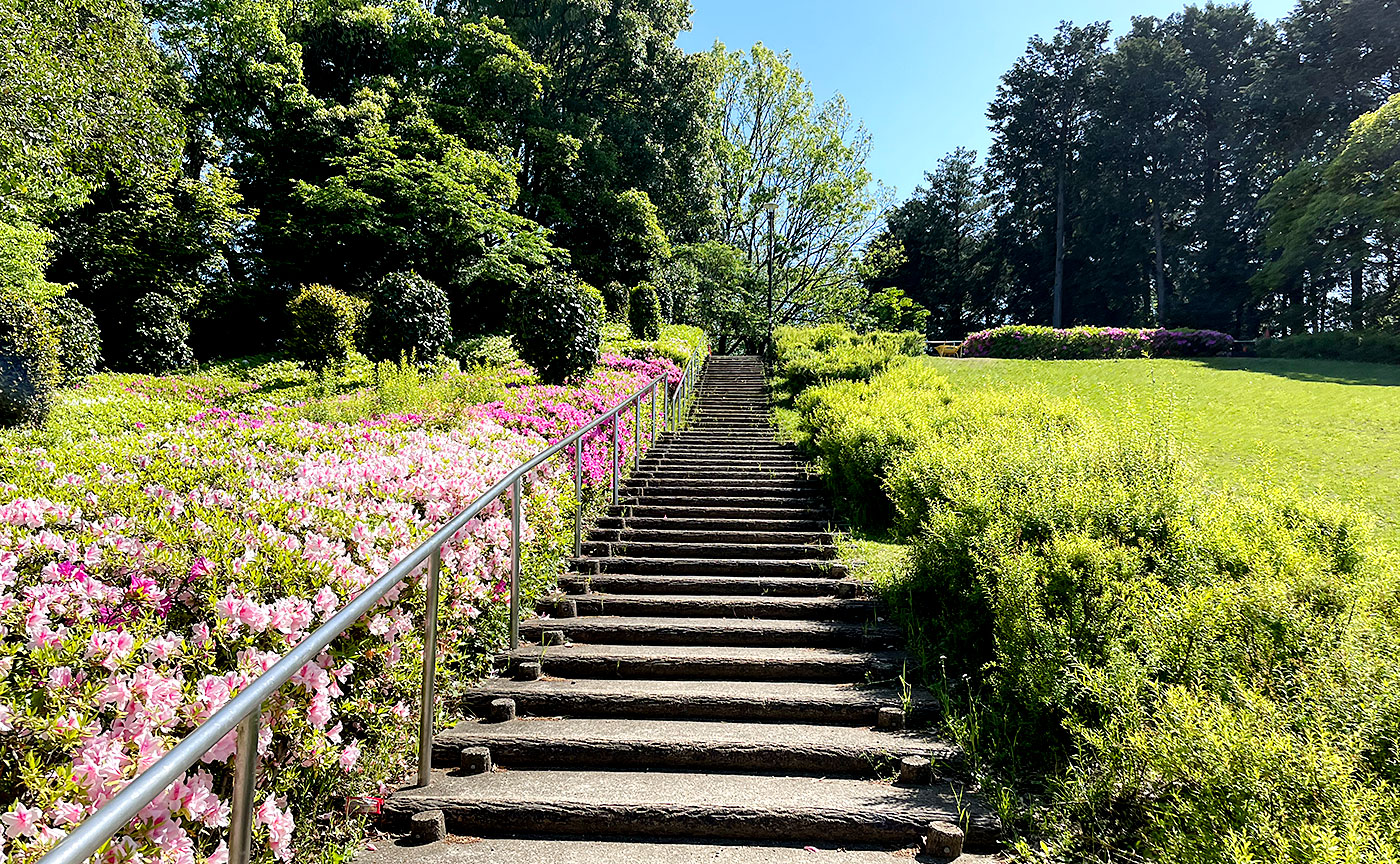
710, 678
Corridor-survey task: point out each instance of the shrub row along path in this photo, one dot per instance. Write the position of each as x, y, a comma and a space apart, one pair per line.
719, 688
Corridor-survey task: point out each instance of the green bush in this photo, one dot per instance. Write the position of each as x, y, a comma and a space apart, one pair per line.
893, 310
160, 336
615, 300
644, 312
1160, 671
80, 339
29, 361
677, 342
1359, 346
408, 316
321, 324
495, 352
806, 356
557, 320
1095, 343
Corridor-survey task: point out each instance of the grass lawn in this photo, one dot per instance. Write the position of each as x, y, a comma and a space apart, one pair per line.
1320, 426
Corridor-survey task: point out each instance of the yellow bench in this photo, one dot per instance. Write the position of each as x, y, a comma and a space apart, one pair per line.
948, 350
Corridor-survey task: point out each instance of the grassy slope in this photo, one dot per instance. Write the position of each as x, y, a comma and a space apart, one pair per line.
1324, 427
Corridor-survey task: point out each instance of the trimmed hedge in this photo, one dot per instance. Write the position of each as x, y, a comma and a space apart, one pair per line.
1359, 346
80, 339
160, 337
322, 326
1095, 343
558, 320
831, 352
29, 361
644, 312
408, 316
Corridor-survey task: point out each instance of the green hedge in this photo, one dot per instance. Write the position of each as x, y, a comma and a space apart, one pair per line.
806, 356
1095, 343
1154, 671
677, 343
1360, 346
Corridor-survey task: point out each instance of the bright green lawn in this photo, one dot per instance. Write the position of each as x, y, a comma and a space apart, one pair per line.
1317, 425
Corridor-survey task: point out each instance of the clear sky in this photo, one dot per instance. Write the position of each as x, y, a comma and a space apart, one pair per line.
919, 73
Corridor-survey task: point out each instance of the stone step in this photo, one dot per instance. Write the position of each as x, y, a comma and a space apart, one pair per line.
718, 469
709, 513
666, 535
754, 486
712, 806
661, 498
712, 566
762, 586
758, 632
649, 745
702, 662
711, 549
574, 850
723, 606
704, 523
747, 701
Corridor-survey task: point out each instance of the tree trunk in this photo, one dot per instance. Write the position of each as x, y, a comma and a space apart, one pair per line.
1358, 297
1058, 317
1160, 267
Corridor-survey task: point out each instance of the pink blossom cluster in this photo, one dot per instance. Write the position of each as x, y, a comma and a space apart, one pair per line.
146, 579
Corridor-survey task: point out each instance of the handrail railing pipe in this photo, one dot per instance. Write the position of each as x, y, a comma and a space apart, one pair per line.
243, 711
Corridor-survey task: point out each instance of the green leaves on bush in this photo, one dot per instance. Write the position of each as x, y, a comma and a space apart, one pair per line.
1359, 346
808, 355
557, 320
160, 336
408, 316
29, 361
494, 352
80, 339
644, 312
321, 326
615, 300
677, 342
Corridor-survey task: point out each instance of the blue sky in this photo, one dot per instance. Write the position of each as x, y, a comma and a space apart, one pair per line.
919, 73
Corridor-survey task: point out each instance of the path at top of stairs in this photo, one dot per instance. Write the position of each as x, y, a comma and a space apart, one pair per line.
717, 694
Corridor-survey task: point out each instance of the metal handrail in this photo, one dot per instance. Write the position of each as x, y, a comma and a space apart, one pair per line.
243, 711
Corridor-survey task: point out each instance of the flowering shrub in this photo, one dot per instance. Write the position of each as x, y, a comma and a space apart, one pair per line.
1094, 343
146, 578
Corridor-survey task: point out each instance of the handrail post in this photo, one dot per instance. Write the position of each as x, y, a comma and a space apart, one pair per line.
245, 780
637, 434
578, 498
429, 689
515, 508
652, 442
614, 457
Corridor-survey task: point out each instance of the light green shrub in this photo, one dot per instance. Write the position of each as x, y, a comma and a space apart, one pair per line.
321, 326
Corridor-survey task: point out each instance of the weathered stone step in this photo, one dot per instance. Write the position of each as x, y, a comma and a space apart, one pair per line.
724, 606
747, 701
660, 498
762, 586
667, 535
708, 512
759, 632
710, 549
722, 662
687, 744
719, 806
705, 523
712, 566
730, 487
726, 470
573, 850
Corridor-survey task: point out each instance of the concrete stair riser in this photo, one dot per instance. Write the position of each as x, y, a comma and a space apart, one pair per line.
724, 606
710, 662
769, 586
713, 549
769, 633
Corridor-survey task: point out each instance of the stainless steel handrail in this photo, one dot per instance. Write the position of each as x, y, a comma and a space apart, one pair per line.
242, 711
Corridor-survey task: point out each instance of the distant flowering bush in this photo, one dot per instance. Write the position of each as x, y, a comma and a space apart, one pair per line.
1094, 343
146, 578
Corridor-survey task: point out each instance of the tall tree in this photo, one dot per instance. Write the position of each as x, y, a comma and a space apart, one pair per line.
778, 146
1039, 118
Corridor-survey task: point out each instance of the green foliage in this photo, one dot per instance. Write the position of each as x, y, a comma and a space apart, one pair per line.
810, 355
29, 361
321, 326
407, 316
80, 339
893, 310
557, 320
24, 254
644, 312
1356, 346
1160, 671
495, 352
677, 342
635, 246
160, 336
615, 300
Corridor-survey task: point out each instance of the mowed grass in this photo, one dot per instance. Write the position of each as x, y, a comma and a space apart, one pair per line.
1318, 426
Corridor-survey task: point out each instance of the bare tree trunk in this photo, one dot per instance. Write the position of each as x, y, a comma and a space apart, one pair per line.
1160, 268
1058, 317
1358, 297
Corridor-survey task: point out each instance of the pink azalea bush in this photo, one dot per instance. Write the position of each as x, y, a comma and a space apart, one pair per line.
146, 578
1094, 343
